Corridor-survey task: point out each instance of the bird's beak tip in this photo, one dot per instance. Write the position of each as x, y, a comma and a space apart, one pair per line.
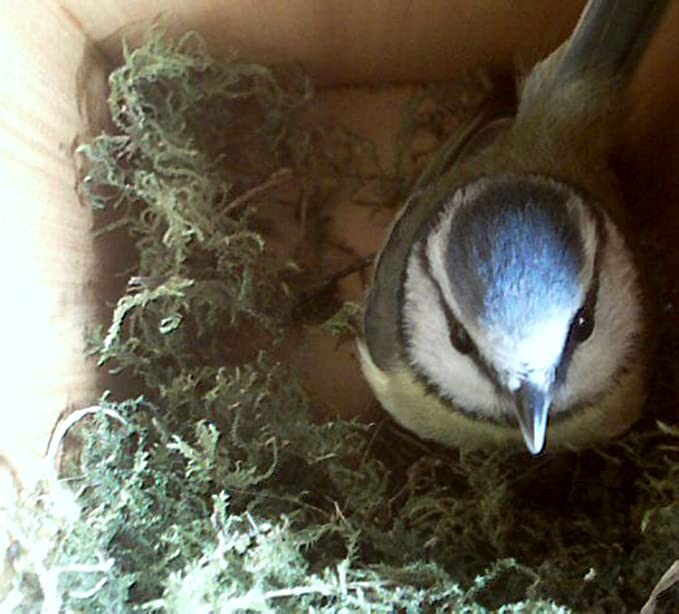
532, 409
535, 444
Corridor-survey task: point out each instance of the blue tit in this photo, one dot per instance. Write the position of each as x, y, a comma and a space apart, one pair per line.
506, 305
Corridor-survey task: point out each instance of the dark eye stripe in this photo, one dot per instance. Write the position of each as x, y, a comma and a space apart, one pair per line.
443, 304
589, 304
583, 322
451, 319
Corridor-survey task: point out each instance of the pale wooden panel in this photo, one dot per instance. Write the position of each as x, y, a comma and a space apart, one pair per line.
47, 260
369, 41
351, 41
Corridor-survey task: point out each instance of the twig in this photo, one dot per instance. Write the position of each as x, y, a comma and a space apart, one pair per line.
280, 176
103, 567
668, 580
67, 422
329, 282
298, 591
92, 592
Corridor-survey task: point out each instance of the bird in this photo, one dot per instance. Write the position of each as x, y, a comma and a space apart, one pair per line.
507, 306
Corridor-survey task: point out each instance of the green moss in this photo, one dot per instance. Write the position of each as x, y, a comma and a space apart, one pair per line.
215, 490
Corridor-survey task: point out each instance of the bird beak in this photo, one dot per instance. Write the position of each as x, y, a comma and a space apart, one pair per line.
532, 404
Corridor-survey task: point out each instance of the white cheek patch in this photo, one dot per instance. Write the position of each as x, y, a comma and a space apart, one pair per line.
618, 326
456, 376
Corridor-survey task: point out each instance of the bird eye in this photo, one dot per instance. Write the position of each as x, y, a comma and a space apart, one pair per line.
459, 338
583, 325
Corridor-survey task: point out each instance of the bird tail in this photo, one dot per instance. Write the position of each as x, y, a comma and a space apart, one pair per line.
609, 39
578, 84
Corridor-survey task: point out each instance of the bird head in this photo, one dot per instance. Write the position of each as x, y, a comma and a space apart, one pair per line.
520, 302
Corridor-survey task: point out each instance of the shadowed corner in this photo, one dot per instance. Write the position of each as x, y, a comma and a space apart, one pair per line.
115, 251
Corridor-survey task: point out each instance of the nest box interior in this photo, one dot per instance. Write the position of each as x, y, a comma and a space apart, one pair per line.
58, 280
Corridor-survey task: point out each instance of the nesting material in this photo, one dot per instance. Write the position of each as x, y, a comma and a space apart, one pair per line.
217, 488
